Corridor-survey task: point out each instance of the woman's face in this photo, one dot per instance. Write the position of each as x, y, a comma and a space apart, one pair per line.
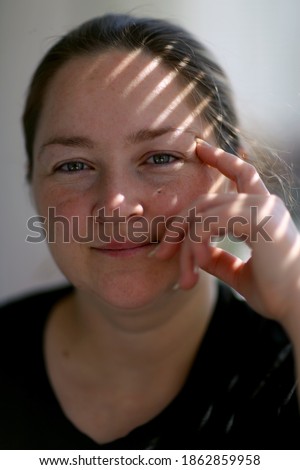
114, 158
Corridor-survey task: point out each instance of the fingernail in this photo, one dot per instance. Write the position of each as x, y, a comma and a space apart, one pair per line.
196, 270
152, 253
203, 143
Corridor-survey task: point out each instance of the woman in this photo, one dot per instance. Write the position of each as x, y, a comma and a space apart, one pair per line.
133, 155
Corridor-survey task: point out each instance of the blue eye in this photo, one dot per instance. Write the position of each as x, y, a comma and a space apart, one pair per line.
73, 167
161, 159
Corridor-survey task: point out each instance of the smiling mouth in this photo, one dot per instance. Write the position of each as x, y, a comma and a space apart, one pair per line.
124, 249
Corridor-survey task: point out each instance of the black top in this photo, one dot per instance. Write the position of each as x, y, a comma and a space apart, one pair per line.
240, 393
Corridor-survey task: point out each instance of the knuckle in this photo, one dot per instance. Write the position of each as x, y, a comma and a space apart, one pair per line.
248, 171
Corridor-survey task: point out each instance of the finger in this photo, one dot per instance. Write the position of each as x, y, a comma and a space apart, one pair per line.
175, 234
189, 272
244, 174
245, 217
210, 216
171, 241
223, 265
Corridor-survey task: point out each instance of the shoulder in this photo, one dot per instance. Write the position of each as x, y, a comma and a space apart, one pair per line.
34, 300
26, 398
22, 325
26, 315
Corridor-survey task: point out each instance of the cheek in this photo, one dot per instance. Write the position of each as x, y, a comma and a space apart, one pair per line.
164, 200
209, 180
179, 194
67, 217
63, 201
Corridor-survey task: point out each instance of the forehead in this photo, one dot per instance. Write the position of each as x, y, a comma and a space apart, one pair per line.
114, 69
115, 90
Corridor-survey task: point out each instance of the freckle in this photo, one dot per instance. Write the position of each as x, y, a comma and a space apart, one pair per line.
65, 353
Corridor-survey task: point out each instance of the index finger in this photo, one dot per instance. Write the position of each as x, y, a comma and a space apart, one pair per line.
244, 174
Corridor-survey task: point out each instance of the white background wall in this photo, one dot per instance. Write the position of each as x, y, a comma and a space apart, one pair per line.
257, 41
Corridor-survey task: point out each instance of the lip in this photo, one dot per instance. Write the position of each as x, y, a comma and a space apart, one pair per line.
125, 249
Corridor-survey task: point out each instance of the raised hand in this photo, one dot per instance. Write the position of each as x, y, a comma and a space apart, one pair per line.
270, 279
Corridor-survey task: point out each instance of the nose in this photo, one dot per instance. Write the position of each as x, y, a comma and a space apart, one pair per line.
118, 199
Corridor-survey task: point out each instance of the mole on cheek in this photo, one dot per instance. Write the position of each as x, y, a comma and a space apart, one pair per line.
158, 191
170, 198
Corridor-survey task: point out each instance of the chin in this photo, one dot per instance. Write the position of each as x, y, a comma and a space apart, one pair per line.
129, 299
123, 288
128, 293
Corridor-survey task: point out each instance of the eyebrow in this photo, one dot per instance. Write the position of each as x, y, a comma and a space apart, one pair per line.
150, 134
68, 141
139, 136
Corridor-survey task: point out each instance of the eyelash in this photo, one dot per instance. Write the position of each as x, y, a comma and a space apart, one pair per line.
74, 163
160, 155
66, 167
